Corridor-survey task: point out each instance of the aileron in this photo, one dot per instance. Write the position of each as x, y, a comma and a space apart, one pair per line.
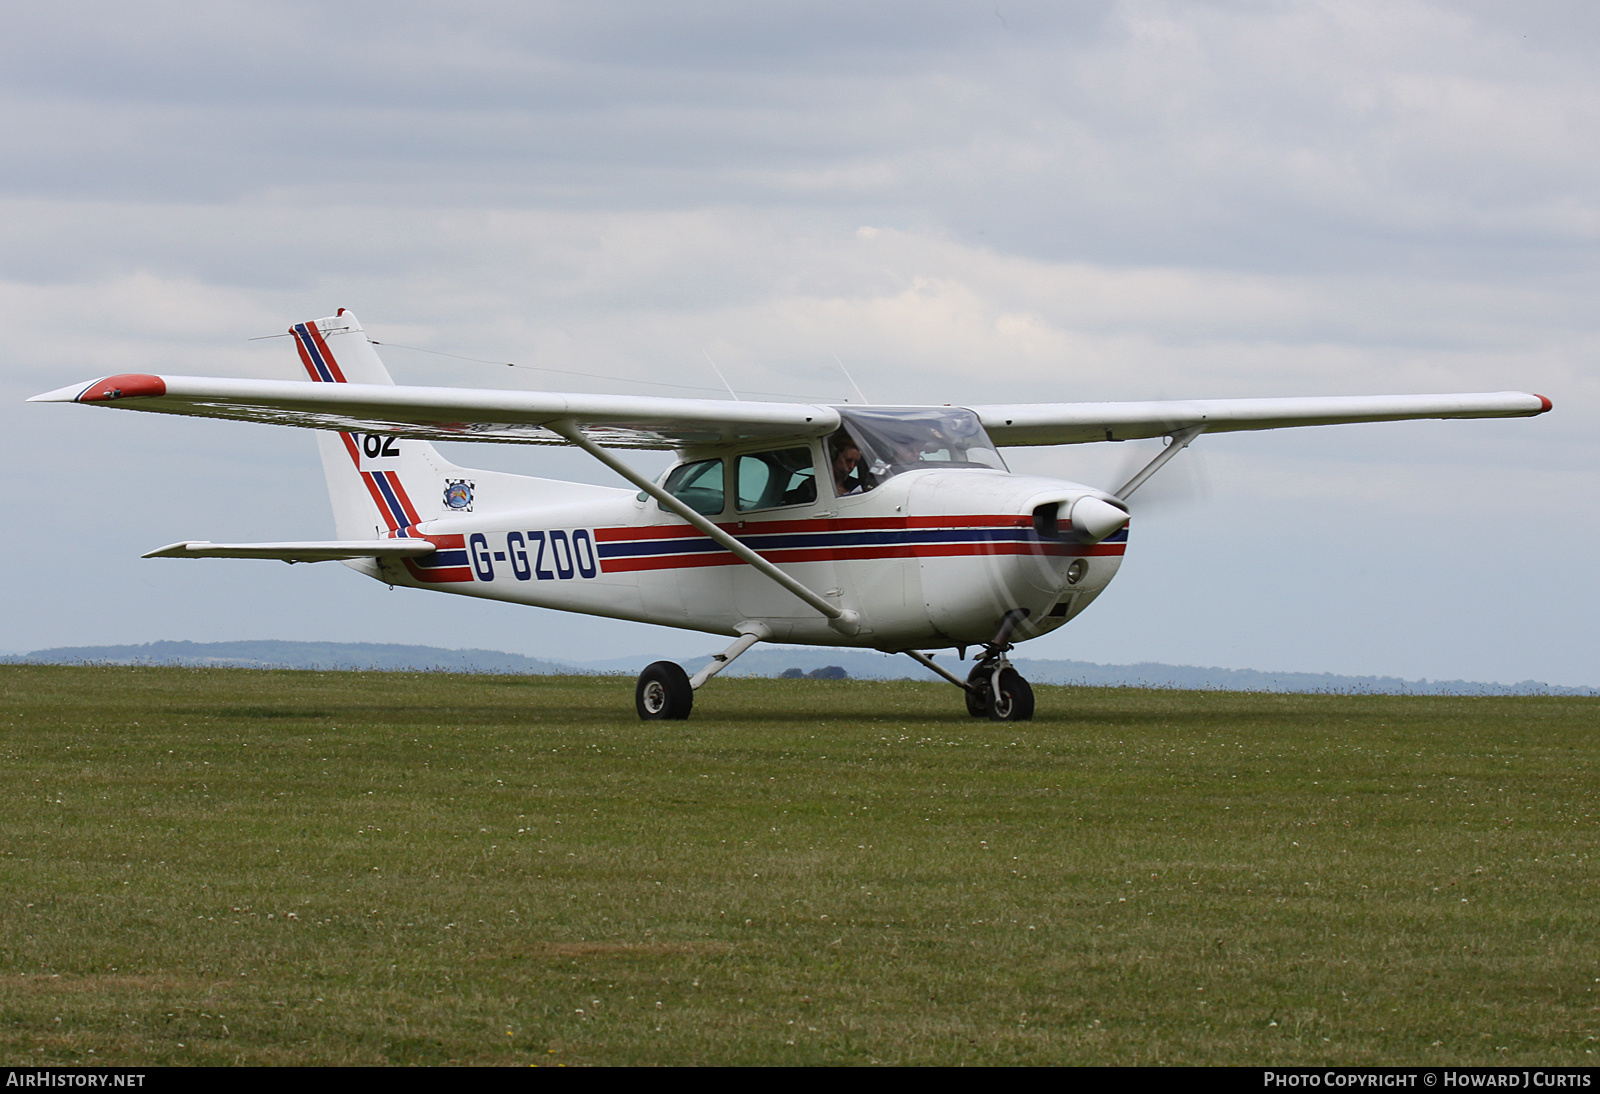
1080, 423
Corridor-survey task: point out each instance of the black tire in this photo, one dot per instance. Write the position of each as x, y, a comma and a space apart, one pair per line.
663, 693
1012, 701
978, 691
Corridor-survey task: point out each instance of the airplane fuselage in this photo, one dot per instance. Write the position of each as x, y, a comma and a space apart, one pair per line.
930, 559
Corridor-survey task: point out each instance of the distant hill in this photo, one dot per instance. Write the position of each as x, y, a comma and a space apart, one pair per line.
761, 661
867, 665
299, 655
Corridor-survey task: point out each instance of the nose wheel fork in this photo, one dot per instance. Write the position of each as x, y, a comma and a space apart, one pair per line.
994, 689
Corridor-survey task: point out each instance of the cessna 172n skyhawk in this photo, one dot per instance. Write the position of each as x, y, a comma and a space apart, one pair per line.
890, 528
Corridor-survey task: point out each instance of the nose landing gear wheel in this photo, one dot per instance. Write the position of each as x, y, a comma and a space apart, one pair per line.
663, 693
994, 689
978, 691
1012, 700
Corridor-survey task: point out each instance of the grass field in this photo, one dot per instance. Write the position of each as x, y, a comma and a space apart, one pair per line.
220, 866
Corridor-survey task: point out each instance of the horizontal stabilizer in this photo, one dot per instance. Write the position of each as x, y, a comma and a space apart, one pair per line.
333, 550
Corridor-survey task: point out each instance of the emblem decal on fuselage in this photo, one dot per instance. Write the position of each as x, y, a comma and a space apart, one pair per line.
458, 495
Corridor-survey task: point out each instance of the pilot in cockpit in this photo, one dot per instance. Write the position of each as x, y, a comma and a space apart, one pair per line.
847, 471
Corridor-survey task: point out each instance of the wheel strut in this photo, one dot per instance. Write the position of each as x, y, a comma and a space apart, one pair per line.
666, 693
994, 689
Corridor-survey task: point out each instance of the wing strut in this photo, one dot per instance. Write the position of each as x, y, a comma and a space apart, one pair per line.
842, 619
1180, 441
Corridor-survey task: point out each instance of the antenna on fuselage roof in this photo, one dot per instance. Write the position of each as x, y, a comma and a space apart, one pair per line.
852, 380
721, 377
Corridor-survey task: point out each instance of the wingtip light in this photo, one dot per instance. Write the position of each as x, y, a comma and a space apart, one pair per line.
128, 385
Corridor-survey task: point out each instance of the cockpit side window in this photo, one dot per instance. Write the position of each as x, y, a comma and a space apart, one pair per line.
769, 480
699, 486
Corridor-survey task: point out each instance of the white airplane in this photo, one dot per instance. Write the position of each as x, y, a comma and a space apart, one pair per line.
894, 528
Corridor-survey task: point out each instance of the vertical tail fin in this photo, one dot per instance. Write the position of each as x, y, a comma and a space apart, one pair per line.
336, 351
371, 478
382, 486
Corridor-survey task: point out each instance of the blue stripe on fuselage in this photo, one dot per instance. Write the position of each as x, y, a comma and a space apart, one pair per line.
819, 540
442, 558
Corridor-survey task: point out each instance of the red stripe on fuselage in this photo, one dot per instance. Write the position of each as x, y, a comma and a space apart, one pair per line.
841, 554
829, 524
434, 577
442, 574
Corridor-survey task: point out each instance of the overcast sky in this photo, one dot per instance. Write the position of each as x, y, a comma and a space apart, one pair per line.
966, 202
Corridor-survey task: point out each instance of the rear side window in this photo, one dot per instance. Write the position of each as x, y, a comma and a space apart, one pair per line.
698, 485
768, 480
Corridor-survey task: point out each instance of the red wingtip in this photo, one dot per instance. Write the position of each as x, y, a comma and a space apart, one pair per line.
1545, 403
127, 386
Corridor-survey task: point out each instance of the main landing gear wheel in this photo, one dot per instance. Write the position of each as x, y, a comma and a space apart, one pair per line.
664, 694
1011, 701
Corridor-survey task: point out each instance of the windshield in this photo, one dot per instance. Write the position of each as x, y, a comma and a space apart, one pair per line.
877, 444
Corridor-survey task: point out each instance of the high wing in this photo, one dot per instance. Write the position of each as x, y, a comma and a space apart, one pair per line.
1077, 423
618, 421
456, 414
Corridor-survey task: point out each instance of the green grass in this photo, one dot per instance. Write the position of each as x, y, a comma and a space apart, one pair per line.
219, 866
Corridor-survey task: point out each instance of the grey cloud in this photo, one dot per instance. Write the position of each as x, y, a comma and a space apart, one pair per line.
1296, 138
